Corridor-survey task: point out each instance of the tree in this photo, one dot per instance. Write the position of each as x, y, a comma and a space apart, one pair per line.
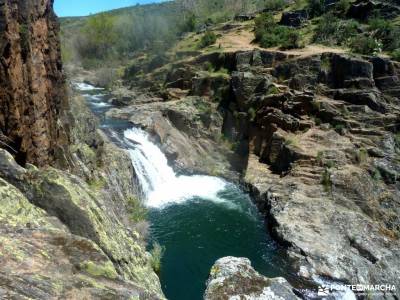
100, 35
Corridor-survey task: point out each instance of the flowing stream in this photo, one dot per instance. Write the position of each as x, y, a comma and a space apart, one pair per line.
198, 219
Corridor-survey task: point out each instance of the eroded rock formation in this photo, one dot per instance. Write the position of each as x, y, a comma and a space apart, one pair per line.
234, 278
316, 139
64, 233
32, 94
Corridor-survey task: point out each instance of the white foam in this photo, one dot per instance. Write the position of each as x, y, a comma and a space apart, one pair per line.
101, 104
183, 188
159, 183
86, 87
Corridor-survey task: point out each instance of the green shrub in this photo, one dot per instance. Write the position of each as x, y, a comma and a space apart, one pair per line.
315, 7
340, 128
190, 23
275, 5
273, 90
366, 45
208, 66
291, 41
136, 210
156, 256
342, 7
208, 39
24, 39
270, 34
326, 180
395, 55
334, 31
376, 174
385, 31
362, 156
252, 113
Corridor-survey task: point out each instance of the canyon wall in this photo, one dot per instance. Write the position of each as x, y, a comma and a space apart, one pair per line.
32, 94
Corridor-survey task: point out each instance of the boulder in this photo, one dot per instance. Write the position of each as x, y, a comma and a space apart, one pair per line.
344, 69
294, 18
41, 259
362, 9
246, 85
235, 278
370, 98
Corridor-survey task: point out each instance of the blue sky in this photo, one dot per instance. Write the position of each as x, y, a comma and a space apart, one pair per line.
70, 8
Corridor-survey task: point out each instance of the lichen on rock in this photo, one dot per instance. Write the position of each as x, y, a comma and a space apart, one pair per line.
235, 278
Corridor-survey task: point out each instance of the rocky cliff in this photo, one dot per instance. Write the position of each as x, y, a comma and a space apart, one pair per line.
64, 233
316, 140
32, 95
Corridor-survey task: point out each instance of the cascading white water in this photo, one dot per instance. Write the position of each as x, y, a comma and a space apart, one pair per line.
160, 185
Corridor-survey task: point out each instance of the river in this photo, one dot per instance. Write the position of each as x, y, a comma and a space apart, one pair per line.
198, 219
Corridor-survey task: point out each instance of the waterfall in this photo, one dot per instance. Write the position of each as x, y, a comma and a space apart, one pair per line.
159, 183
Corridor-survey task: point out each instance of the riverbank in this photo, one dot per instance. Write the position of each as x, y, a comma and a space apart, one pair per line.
297, 143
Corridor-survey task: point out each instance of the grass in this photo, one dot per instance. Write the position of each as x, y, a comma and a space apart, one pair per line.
252, 113
376, 174
157, 252
97, 184
340, 128
136, 209
292, 140
326, 180
273, 90
362, 156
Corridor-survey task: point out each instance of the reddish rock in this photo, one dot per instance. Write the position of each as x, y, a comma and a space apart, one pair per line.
32, 91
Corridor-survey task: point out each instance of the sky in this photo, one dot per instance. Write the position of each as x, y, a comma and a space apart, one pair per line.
69, 8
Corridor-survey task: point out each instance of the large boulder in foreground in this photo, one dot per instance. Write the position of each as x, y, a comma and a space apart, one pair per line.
41, 259
235, 278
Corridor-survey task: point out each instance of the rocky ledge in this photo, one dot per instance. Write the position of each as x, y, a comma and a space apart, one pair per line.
72, 236
234, 278
315, 138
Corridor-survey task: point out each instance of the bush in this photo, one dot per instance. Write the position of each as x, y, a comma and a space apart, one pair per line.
365, 45
270, 34
386, 32
326, 180
156, 256
334, 31
342, 7
208, 39
24, 40
291, 41
191, 23
136, 210
275, 5
395, 55
107, 77
315, 7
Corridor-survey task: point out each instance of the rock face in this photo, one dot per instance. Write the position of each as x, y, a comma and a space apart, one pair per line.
318, 143
32, 95
64, 234
189, 132
42, 258
234, 278
68, 236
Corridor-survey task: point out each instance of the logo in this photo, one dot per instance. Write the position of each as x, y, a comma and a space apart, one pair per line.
323, 291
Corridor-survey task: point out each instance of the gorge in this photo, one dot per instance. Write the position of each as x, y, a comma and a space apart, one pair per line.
203, 162
197, 218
